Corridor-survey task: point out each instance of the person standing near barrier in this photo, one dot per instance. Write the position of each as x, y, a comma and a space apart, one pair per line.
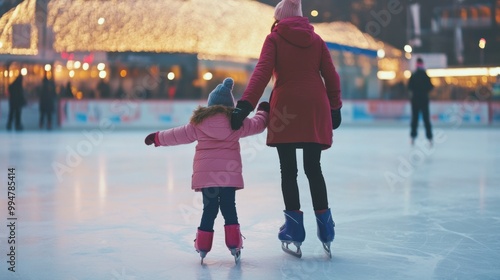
420, 85
67, 91
16, 103
46, 102
305, 108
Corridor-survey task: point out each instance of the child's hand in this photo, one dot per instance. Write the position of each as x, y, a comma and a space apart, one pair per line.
263, 106
150, 139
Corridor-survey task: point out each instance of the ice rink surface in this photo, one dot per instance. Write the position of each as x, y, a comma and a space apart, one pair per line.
99, 204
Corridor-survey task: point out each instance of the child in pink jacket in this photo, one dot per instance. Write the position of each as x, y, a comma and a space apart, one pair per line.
217, 168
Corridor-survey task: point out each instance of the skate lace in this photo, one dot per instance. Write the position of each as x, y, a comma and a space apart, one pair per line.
243, 238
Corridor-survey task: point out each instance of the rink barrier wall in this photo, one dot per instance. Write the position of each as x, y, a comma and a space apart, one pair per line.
160, 114
442, 112
125, 113
494, 111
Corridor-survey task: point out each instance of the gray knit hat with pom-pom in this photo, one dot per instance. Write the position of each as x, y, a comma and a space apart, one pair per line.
222, 94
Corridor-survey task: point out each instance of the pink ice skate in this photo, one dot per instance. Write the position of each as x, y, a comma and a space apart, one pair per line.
234, 241
203, 242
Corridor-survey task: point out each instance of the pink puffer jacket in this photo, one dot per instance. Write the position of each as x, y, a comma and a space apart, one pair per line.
217, 161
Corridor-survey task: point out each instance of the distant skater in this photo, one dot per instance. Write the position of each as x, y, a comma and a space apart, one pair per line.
47, 99
420, 85
16, 103
217, 167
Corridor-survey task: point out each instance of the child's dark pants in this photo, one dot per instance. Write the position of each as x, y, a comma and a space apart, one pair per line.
215, 198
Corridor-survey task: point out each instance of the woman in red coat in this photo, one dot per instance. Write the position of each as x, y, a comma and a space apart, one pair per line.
305, 107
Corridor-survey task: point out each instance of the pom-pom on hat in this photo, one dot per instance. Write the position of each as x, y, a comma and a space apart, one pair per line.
222, 94
288, 8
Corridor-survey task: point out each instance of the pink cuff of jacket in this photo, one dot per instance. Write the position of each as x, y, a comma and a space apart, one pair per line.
157, 139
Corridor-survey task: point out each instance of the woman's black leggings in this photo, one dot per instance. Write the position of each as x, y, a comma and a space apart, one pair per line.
312, 169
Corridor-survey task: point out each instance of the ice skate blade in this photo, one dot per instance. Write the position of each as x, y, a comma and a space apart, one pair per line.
297, 253
237, 255
203, 254
328, 252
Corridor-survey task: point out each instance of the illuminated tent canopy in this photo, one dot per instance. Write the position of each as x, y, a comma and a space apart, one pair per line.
347, 34
234, 28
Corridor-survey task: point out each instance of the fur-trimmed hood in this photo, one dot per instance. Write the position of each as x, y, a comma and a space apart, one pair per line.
202, 113
214, 121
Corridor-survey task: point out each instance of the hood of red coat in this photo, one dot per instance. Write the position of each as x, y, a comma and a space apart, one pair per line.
296, 30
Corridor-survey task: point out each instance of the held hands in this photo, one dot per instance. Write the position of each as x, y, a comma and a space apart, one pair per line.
150, 139
263, 106
243, 108
336, 118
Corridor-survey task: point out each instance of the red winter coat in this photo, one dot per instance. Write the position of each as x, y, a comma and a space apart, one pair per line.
301, 102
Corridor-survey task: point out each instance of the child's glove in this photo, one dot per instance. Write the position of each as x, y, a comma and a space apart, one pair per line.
263, 106
150, 139
243, 108
336, 118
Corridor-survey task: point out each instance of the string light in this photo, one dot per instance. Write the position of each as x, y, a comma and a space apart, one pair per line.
408, 48
482, 43
171, 76
381, 53
207, 76
464, 72
102, 74
386, 75
407, 74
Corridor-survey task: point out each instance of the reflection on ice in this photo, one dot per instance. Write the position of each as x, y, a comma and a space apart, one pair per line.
127, 211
